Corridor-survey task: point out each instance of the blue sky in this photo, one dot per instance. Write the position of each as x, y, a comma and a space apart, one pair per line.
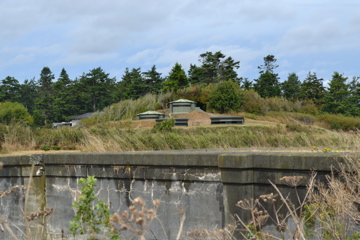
321, 36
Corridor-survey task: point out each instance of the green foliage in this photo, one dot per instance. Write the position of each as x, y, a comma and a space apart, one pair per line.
164, 126
14, 112
267, 85
96, 87
45, 97
226, 97
199, 93
89, 217
65, 137
65, 102
291, 87
153, 81
10, 90
45, 147
133, 84
177, 79
254, 103
312, 89
309, 107
28, 94
215, 68
336, 98
340, 122
309, 219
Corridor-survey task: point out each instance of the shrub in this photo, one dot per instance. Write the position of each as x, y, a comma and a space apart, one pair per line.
14, 112
164, 126
226, 97
254, 103
308, 107
89, 217
340, 122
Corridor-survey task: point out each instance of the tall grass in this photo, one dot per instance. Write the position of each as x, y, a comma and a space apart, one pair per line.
114, 140
297, 130
127, 109
17, 137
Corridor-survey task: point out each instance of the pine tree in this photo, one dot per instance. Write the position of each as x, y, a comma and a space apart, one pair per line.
28, 94
177, 79
336, 98
45, 97
312, 89
267, 85
153, 81
64, 98
354, 98
132, 85
98, 88
291, 87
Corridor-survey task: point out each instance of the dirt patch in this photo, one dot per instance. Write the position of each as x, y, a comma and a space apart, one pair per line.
195, 119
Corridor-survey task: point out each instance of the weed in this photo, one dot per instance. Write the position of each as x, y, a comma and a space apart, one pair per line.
89, 218
164, 126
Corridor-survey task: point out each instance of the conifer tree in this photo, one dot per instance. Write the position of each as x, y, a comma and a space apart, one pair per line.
45, 97
267, 85
336, 98
176, 80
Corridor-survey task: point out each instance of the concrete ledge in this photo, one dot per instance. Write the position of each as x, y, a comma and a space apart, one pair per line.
206, 184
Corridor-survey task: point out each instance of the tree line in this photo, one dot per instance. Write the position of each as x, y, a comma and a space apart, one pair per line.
55, 100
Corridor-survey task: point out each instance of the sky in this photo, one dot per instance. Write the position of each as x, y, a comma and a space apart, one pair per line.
321, 36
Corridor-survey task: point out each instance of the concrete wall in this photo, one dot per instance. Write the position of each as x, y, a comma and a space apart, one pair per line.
204, 184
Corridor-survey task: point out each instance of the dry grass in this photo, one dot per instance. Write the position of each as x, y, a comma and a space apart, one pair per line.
328, 210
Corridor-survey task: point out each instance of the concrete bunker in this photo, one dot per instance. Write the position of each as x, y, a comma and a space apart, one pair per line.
150, 115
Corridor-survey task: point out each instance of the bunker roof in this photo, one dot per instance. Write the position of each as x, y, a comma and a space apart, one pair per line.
183, 100
149, 112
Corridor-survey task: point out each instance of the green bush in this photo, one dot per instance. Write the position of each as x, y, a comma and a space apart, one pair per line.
226, 97
164, 126
340, 122
89, 216
14, 112
254, 103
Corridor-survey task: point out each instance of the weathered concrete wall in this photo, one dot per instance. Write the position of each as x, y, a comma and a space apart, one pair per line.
204, 184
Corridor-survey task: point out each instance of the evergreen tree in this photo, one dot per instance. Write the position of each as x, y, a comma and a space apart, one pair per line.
64, 98
291, 87
176, 80
28, 94
215, 69
195, 74
98, 88
246, 84
354, 98
153, 81
227, 71
336, 97
44, 100
312, 89
267, 85
10, 90
132, 85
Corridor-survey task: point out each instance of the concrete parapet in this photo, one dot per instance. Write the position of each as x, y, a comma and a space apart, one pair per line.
204, 184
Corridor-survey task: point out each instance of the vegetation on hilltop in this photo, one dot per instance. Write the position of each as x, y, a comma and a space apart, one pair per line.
49, 99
